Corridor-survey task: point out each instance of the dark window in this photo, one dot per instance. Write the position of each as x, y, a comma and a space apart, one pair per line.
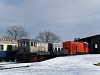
9, 47
58, 49
1, 47
55, 49
31, 43
50, 47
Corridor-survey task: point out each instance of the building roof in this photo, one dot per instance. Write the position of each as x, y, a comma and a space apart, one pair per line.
90, 36
88, 39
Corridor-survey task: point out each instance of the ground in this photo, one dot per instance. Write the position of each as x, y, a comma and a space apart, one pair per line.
67, 65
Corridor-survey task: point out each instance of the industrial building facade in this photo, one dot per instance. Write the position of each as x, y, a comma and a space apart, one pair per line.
94, 43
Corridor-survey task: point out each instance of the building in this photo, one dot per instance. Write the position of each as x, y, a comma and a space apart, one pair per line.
94, 43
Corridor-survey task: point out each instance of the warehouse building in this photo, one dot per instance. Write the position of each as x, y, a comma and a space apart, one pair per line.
94, 43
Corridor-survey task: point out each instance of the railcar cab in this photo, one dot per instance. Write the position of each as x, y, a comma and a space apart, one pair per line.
25, 45
8, 45
71, 47
33, 46
8, 49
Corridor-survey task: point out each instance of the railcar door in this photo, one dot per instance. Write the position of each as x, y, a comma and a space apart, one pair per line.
74, 48
50, 47
9, 47
86, 50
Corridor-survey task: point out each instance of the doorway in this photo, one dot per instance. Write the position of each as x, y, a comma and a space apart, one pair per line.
9, 47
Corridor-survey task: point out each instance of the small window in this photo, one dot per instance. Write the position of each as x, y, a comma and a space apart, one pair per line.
9, 47
1, 47
31, 43
96, 46
25, 44
22, 44
55, 49
19, 44
59, 49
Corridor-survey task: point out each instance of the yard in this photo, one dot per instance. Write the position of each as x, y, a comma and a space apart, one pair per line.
67, 65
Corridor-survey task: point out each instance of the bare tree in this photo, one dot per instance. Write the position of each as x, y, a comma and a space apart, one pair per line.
48, 36
16, 32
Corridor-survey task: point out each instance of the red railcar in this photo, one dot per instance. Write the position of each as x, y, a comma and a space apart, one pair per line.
72, 48
69, 47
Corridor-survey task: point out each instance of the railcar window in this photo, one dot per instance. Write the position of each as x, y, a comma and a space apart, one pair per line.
31, 43
35, 44
22, 44
25, 44
9, 47
55, 49
59, 49
19, 44
1, 47
96, 46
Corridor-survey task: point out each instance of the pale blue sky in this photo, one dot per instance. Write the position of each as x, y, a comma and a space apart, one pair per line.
67, 18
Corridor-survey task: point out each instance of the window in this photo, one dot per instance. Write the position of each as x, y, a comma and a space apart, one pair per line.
9, 47
96, 46
25, 44
35, 44
1, 47
19, 44
55, 49
22, 44
31, 43
59, 49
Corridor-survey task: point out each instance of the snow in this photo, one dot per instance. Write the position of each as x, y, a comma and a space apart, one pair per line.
67, 65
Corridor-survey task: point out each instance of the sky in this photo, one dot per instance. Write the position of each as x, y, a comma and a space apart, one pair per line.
68, 19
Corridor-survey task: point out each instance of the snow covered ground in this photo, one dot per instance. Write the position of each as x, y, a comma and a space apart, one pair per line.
68, 65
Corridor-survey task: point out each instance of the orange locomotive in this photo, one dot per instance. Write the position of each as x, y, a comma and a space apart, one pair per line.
72, 48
